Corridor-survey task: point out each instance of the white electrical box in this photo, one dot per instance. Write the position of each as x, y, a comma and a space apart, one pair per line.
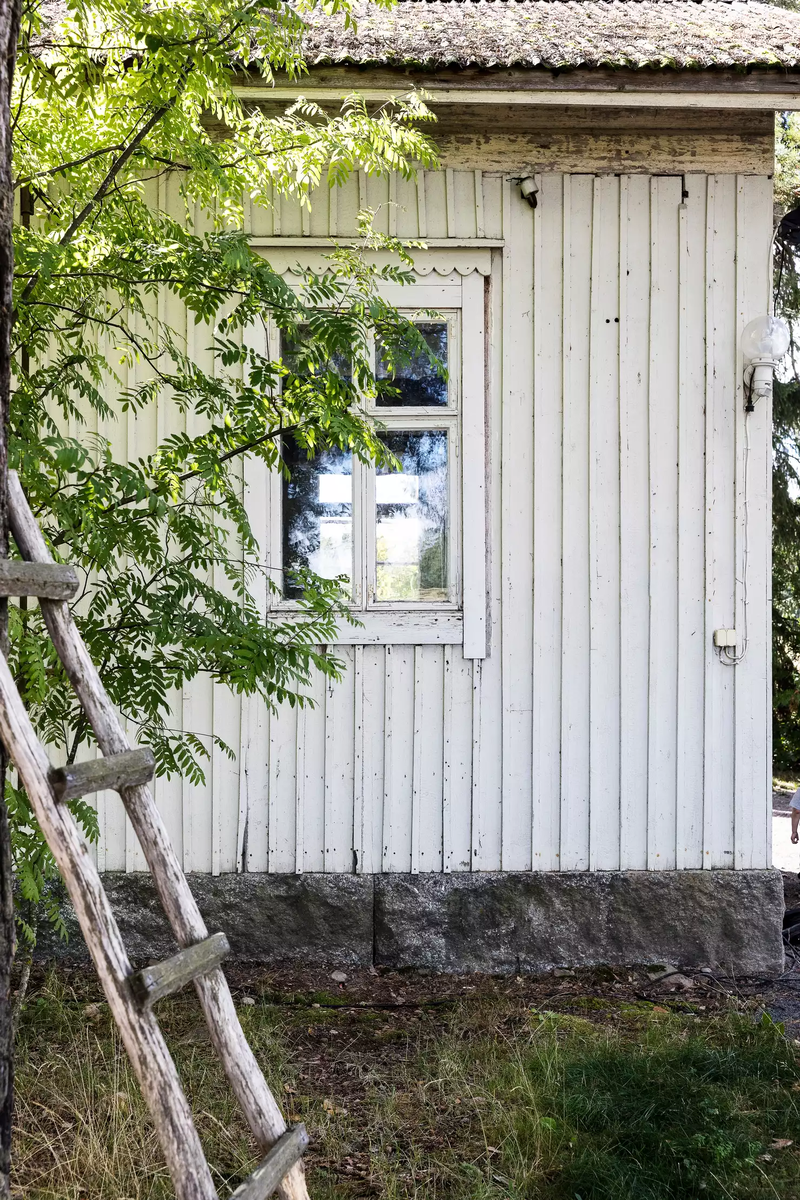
724, 637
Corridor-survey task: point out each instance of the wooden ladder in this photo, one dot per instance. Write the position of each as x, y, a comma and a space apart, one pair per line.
130, 994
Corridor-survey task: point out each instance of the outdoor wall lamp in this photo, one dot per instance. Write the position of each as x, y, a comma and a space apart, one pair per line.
528, 190
764, 342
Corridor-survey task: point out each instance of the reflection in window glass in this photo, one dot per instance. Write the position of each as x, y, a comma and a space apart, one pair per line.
292, 352
417, 382
412, 519
317, 516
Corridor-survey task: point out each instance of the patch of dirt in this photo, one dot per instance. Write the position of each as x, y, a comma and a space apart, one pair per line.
336, 1028
408, 995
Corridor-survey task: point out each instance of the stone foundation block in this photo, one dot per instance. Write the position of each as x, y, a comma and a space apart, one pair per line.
268, 918
727, 920
493, 922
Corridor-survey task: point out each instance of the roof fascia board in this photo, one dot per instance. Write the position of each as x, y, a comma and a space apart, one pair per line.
788, 99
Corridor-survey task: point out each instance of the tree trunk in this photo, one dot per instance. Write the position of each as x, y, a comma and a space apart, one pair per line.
9, 32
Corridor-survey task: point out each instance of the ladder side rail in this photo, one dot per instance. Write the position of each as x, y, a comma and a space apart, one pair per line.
144, 1042
261, 1110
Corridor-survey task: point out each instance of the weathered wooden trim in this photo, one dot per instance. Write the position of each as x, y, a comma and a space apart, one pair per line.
475, 116
259, 1106
773, 98
129, 769
614, 84
53, 581
511, 135
623, 151
162, 979
266, 1177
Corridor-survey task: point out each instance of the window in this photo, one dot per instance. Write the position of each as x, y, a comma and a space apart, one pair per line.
393, 534
317, 516
397, 536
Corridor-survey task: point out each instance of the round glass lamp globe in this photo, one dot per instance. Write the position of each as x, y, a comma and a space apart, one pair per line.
765, 337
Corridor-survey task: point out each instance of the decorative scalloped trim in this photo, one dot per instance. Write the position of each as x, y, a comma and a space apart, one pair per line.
459, 260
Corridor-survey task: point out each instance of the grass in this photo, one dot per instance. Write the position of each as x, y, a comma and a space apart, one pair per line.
480, 1093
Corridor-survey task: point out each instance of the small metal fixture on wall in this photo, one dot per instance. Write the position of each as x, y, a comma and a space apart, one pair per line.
528, 190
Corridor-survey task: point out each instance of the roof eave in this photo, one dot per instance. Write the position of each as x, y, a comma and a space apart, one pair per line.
757, 87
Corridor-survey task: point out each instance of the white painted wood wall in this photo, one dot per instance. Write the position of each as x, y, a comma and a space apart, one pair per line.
602, 731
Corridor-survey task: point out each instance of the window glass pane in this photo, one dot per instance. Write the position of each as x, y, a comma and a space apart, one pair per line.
291, 353
317, 515
417, 382
412, 519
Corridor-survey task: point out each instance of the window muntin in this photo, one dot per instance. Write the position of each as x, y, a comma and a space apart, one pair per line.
397, 537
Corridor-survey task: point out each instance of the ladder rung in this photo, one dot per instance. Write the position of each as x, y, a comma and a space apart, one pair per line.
164, 978
50, 581
116, 771
271, 1170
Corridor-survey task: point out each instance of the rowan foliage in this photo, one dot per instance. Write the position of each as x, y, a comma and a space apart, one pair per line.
117, 103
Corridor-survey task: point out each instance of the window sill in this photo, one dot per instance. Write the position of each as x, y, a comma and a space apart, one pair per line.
418, 628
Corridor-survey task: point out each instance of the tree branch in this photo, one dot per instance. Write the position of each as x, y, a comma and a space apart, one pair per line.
242, 449
62, 167
109, 179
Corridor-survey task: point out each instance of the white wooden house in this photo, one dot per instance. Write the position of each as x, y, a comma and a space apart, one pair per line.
537, 755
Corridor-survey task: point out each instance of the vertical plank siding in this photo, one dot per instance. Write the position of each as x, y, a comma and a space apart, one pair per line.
517, 507
627, 516
690, 749
604, 513
752, 682
546, 581
665, 204
636, 243
575, 609
722, 393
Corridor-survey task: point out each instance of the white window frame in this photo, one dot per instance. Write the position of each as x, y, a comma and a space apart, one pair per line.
410, 418
462, 619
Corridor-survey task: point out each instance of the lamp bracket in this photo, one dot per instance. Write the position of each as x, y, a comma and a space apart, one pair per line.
763, 362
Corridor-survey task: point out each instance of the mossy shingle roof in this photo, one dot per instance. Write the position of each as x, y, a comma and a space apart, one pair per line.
561, 33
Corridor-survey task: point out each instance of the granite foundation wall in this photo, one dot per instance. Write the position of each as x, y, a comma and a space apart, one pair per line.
494, 922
